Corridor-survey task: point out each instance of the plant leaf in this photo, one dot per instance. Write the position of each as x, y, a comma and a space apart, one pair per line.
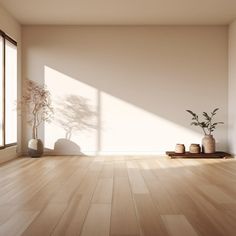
192, 113
194, 123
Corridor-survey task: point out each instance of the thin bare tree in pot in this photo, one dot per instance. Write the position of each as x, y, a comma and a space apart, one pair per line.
37, 101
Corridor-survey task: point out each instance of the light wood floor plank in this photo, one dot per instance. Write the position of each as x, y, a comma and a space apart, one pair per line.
123, 217
65, 194
202, 223
138, 185
149, 217
162, 198
6, 212
69, 224
46, 220
97, 222
118, 196
107, 171
78, 207
178, 225
17, 223
103, 192
216, 194
120, 169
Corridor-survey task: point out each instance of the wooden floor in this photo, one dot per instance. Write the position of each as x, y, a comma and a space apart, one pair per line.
118, 196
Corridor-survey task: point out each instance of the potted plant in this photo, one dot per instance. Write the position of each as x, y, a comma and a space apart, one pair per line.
37, 101
208, 126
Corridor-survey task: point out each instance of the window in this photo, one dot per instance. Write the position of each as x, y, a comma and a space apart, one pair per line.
8, 91
1, 92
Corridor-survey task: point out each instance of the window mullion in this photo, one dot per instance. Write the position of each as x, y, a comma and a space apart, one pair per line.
4, 91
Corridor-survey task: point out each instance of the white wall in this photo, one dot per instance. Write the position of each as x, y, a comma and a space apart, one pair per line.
232, 88
138, 81
12, 28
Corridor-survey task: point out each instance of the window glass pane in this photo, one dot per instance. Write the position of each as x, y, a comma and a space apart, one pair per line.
1, 91
11, 93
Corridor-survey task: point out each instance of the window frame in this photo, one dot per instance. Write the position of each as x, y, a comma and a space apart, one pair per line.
12, 41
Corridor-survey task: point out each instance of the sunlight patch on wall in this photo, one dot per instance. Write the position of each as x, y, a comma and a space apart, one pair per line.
89, 121
73, 129
127, 129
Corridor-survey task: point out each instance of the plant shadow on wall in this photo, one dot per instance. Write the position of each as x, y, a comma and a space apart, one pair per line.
73, 114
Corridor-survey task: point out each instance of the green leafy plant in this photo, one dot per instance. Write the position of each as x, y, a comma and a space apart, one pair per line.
208, 126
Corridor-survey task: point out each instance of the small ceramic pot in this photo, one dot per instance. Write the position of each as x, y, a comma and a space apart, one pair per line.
179, 148
194, 148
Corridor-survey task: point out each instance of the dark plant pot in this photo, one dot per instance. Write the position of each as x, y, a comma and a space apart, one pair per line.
35, 148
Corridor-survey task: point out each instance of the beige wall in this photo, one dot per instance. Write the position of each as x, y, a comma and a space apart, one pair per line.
11, 27
133, 82
232, 87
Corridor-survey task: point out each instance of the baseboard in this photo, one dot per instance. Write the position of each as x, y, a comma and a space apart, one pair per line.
104, 153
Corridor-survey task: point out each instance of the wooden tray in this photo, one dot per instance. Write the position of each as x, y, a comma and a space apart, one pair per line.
198, 155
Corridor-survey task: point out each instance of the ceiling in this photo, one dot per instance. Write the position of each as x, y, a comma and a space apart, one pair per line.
122, 12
